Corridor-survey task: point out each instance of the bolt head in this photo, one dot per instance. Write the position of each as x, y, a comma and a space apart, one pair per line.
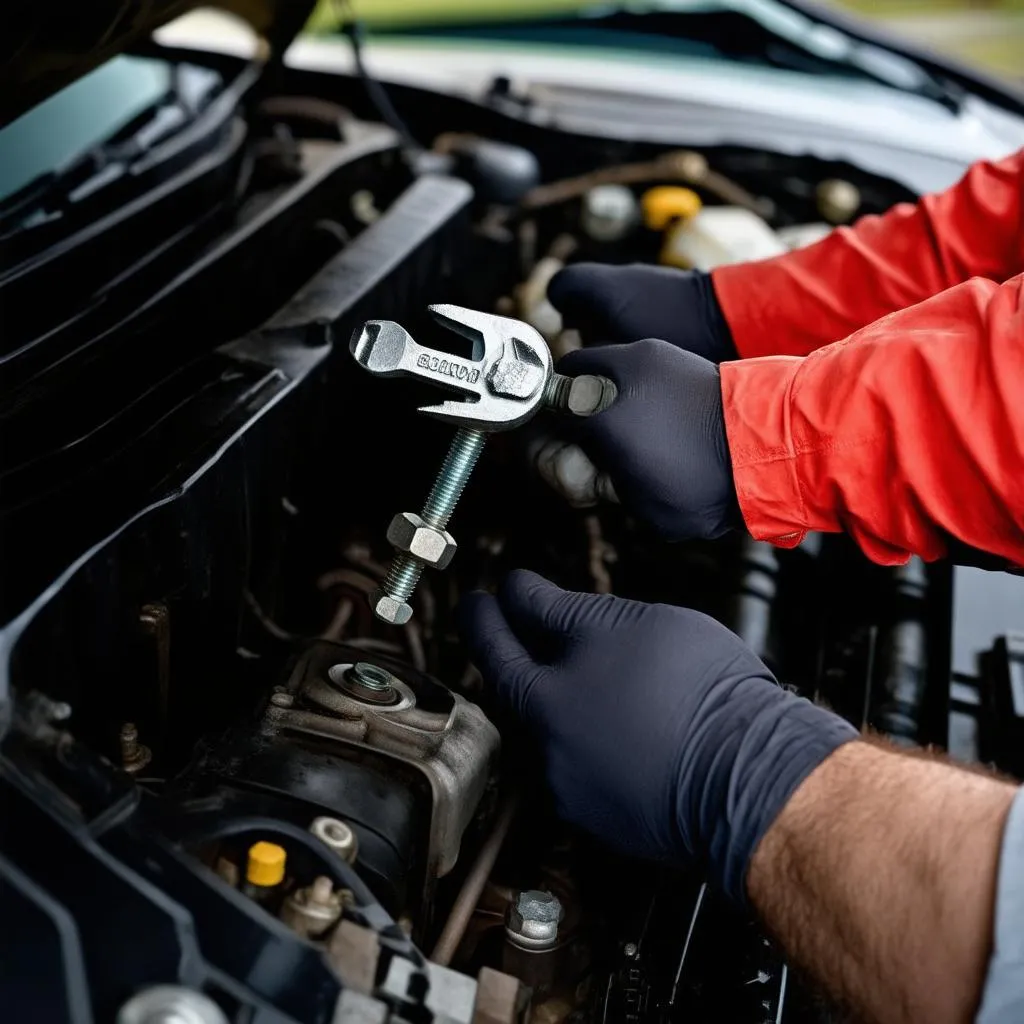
409, 533
385, 607
534, 918
590, 394
521, 371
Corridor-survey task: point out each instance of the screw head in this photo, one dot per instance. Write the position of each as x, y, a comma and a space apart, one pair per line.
385, 607
534, 918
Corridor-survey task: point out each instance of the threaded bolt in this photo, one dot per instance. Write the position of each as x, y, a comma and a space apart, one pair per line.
458, 464
134, 755
391, 601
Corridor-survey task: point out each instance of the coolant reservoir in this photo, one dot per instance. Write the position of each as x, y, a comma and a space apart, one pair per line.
704, 237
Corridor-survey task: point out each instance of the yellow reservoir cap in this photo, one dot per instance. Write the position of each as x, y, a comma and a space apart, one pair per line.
668, 203
266, 864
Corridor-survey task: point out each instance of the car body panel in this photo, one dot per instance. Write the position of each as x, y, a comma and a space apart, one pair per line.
605, 91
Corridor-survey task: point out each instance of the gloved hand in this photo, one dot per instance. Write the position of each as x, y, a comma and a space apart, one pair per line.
663, 441
619, 304
663, 733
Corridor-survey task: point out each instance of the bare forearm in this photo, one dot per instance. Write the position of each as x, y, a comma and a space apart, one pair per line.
878, 878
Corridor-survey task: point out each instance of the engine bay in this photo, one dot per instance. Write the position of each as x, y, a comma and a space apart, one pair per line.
221, 771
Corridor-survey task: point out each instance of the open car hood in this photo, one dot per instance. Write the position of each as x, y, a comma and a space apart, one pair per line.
46, 46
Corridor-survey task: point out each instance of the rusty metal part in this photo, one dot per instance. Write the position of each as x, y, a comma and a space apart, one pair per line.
134, 755
551, 972
449, 741
472, 888
500, 998
679, 165
313, 909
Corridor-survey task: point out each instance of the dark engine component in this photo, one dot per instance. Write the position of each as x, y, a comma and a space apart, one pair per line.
397, 757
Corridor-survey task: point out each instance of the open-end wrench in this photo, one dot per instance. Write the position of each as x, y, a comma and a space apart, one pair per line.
508, 378
504, 383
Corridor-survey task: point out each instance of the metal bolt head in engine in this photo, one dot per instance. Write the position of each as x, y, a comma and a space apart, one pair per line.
365, 681
333, 832
410, 533
389, 608
533, 919
373, 677
170, 1004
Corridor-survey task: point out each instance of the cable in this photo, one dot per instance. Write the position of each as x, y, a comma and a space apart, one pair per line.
353, 28
473, 886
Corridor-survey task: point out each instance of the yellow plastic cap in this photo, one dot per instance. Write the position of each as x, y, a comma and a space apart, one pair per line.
266, 864
668, 203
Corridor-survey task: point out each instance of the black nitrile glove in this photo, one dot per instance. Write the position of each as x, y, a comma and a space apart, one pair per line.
664, 735
619, 304
663, 441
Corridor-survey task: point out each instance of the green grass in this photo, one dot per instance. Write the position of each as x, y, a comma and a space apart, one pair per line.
329, 14
999, 46
882, 9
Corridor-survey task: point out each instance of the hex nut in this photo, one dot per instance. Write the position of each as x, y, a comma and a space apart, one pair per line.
408, 532
533, 919
385, 607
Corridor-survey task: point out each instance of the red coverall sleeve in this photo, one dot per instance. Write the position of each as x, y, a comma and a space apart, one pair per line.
908, 432
795, 303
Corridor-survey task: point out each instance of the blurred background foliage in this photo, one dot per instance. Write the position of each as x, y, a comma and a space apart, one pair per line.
987, 33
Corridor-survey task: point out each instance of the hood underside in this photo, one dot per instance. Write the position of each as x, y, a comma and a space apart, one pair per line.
46, 46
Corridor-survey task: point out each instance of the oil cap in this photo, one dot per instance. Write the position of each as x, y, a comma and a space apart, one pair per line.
664, 205
265, 865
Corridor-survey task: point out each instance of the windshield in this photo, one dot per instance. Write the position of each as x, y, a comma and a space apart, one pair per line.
758, 32
52, 134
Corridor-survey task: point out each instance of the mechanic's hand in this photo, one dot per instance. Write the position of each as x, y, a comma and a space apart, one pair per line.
664, 735
619, 304
662, 442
